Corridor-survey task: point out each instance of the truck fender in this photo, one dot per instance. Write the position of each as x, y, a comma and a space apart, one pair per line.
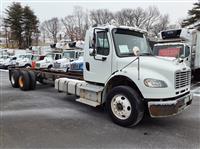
118, 80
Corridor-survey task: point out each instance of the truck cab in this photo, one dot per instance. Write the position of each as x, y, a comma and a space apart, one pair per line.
48, 60
121, 72
25, 60
67, 57
173, 51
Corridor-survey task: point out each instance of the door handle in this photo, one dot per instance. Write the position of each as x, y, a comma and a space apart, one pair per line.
87, 65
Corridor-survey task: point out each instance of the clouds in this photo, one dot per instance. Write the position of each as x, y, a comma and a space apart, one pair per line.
58, 8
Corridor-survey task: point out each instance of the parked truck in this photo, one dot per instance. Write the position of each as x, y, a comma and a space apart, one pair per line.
67, 57
121, 73
182, 45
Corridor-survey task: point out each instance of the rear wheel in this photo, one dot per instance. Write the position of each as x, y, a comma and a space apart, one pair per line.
24, 81
27, 66
32, 78
125, 106
14, 77
50, 66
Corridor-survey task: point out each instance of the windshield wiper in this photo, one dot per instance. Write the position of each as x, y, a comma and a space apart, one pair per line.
146, 54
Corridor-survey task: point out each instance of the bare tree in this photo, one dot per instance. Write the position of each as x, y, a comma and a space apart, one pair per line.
119, 17
152, 17
76, 24
101, 16
162, 24
70, 25
51, 27
149, 19
139, 17
82, 21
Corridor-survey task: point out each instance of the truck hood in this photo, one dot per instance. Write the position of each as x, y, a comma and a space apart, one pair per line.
167, 58
44, 61
22, 59
154, 63
63, 60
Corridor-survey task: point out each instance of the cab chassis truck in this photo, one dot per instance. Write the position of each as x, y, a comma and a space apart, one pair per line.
121, 73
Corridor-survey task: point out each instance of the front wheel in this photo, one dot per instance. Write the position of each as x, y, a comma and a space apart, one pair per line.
125, 106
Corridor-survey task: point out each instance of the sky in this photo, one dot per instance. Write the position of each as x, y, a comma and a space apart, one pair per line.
46, 9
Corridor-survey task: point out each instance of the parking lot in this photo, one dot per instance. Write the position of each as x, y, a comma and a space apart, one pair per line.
44, 118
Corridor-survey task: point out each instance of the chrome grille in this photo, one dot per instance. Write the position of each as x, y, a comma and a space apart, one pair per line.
182, 79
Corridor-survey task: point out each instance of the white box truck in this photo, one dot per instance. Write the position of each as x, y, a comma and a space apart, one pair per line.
181, 45
121, 73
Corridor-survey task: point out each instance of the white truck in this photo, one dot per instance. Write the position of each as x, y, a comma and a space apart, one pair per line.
8, 61
121, 73
4, 59
67, 57
182, 45
24, 61
48, 60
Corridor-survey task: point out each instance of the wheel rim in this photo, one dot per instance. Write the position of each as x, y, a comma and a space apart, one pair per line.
121, 107
28, 66
12, 79
21, 81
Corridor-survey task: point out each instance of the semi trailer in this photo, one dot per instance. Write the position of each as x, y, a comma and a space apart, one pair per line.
120, 73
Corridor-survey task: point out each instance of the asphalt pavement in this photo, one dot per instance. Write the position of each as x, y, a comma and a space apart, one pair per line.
44, 118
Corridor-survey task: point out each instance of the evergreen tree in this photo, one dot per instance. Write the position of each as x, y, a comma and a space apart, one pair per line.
23, 23
14, 21
30, 25
194, 15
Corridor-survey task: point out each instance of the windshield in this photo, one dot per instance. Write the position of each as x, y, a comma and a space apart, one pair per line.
169, 50
69, 54
29, 56
125, 40
49, 56
22, 56
35, 58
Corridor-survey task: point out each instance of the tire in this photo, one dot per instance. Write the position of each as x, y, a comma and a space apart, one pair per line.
24, 81
125, 107
32, 78
27, 66
50, 66
14, 77
41, 80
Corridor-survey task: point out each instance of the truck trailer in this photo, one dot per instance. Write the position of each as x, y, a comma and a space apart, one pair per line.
120, 73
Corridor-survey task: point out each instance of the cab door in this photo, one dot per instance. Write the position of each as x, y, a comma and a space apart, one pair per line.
98, 67
188, 56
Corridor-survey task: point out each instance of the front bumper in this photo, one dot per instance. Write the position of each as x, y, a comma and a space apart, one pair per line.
171, 107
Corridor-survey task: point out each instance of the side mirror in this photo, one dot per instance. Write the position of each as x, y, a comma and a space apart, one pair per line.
92, 52
136, 51
182, 56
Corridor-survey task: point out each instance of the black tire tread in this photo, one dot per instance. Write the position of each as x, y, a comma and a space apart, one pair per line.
32, 78
137, 106
26, 78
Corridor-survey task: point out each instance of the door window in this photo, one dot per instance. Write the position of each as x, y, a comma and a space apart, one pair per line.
187, 51
102, 45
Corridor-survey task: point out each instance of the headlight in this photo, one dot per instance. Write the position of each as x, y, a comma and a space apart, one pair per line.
154, 83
